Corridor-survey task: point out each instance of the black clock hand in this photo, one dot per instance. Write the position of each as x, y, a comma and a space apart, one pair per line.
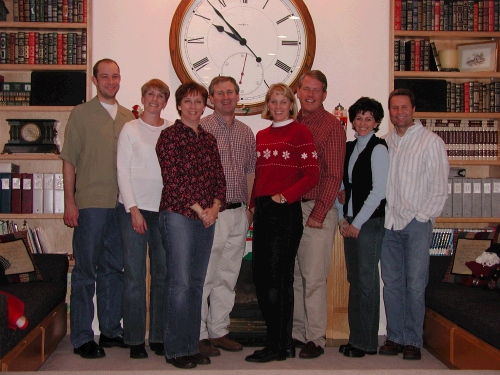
236, 35
227, 23
221, 30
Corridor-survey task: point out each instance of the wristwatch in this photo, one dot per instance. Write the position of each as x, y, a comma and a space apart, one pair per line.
282, 199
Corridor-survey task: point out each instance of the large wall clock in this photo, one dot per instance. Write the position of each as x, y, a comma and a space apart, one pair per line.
258, 42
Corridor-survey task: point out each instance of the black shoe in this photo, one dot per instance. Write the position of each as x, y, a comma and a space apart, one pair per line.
185, 362
286, 353
345, 347
108, 342
357, 353
265, 355
90, 350
157, 347
200, 359
298, 343
138, 351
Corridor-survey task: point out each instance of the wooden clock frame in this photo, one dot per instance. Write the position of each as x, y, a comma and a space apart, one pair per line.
182, 71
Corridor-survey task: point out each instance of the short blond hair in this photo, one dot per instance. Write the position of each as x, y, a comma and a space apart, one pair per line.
156, 84
280, 88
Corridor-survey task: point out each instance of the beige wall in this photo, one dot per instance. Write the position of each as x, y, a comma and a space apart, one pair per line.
352, 48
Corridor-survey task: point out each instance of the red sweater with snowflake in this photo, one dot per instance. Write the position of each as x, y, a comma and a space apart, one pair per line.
287, 162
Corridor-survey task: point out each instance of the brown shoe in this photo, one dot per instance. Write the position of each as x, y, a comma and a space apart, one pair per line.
311, 350
390, 348
226, 343
208, 349
411, 352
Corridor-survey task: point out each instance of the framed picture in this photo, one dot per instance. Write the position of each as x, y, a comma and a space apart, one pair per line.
467, 250
477, 57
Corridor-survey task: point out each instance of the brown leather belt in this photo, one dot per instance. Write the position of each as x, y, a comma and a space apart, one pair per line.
306, 200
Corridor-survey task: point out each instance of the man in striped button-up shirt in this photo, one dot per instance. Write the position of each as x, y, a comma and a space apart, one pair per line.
416, 193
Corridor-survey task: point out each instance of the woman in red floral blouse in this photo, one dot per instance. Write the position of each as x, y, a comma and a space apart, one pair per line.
194, 191
286, 169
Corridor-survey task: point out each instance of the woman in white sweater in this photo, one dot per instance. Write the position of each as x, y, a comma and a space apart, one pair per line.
140, 183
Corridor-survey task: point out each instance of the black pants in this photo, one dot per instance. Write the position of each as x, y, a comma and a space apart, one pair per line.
277, 229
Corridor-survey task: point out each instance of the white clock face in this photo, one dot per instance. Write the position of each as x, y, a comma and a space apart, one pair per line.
30, 132
257, 42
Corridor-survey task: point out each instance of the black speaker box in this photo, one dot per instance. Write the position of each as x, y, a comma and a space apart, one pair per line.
430, 94
58, 88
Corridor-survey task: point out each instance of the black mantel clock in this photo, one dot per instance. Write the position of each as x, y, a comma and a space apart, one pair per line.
31, 136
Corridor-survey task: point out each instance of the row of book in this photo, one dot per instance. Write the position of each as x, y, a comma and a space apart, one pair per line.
33, 47
37, 239
472, 197
27, 193
416, 55
14, 93
472, 97
442, 241
439, 95
50, 11
466, 139
446, 15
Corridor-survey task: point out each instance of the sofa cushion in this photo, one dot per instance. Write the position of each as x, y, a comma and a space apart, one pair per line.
473, 309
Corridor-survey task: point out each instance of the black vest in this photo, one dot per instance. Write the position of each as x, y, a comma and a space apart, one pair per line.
361, 177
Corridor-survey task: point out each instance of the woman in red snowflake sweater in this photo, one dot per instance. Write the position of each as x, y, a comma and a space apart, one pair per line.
286, 169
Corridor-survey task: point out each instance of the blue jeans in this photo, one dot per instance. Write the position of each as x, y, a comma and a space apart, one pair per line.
98, 253
135, 248
405, 272
362, 255
187, 243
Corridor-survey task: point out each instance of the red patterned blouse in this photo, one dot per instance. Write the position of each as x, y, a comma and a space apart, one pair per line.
191, 169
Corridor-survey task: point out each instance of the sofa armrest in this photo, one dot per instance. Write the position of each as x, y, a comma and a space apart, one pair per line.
53, 267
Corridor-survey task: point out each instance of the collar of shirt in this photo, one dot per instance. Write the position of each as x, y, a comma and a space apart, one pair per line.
223, 122
313, 117
183, 127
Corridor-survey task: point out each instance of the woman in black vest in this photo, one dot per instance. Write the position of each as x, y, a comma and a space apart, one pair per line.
361, 222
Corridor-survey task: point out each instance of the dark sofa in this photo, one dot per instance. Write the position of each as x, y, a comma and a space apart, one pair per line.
45, 309
462, 323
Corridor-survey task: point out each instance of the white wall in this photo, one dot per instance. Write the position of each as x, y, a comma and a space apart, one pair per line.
352, 48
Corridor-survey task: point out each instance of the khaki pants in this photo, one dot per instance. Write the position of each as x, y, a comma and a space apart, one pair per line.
222, 273
312, 265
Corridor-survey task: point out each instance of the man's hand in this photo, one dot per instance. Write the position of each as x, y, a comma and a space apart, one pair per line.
71, 215
341, 197
314, 223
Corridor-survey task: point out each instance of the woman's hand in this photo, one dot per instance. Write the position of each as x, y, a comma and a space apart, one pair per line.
138, 223
353, 232
343, 227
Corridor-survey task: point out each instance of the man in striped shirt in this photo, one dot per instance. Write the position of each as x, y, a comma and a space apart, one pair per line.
236, 144
417, 188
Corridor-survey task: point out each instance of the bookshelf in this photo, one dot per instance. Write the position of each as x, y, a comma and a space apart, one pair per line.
58, 235
449, 40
